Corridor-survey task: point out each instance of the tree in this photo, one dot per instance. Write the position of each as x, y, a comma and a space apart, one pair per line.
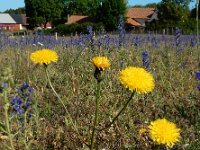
183, 3
139, 6
109, 11
151, 5
194, 11
172, 13
73, 7
43, 11
93, 6
16, 11
81, 7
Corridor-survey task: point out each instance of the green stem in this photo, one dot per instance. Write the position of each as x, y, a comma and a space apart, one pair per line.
36, 119
49, 81
119, 113
25, 132
96, 115
6, 107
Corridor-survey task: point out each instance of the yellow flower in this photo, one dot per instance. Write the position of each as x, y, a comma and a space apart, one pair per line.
101, 63
137, 79
164, 132
44, 56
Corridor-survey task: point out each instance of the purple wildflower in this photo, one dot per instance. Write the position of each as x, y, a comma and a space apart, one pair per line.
198, 87
121, 31
198, 75
145, 59
21, 103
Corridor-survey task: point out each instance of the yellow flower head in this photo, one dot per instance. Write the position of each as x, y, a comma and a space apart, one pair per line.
44, 56
164, 132
137, 79
101, 63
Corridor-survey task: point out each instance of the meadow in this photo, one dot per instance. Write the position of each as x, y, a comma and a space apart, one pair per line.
45, 123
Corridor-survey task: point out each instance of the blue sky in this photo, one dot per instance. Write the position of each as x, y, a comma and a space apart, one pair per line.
7, 4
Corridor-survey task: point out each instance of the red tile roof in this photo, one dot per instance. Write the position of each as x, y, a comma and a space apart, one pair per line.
132, 22
76, 19
143, 13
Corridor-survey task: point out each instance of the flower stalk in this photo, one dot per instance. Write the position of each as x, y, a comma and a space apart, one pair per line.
96, 117
120, 112
100, 64
56, 94
6, 107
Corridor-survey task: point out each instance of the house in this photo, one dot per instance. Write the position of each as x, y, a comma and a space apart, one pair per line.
13, 22
20, 19
139, 17
78, 19
136, 17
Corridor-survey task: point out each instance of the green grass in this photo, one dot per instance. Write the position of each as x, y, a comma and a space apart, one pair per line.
175, 97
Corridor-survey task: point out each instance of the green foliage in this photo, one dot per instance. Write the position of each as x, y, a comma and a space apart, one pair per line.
109, 12
151, 5
187, 27
76, 6
15, 11
105, 11
194, 11
81, 7
173, 14
183, 3
43, 11
77, 28
65, 29
172, 11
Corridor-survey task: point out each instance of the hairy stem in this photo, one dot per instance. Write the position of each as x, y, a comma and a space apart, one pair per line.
6, 107
120, 112
96, 115
57, 95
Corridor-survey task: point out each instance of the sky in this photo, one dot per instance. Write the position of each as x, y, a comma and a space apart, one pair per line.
7, 4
